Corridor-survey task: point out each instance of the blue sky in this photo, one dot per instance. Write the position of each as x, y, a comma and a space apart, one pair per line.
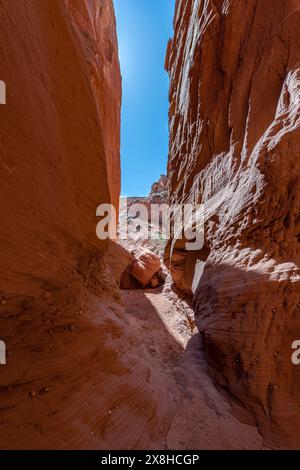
144, 27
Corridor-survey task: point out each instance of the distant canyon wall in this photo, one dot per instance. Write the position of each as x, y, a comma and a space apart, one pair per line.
234, 116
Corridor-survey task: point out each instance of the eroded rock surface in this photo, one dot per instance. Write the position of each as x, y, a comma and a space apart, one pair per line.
76, 375
160, 188
234, 146
143, 271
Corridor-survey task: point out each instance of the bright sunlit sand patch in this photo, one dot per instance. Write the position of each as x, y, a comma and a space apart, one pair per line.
172, 323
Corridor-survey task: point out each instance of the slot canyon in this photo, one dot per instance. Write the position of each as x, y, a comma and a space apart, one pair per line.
118, 344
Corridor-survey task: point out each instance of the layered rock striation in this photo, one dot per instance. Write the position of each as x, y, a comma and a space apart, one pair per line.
60, 137
76, 374
234, 147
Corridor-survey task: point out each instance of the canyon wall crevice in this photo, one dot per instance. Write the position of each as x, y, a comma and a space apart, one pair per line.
234, 147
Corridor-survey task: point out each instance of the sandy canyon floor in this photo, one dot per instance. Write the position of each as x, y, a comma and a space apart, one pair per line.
201, 416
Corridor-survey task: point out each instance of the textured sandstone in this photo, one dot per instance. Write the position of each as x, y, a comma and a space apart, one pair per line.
143, 270
145, 266
76, 376
159, 188
234, 146
55, 156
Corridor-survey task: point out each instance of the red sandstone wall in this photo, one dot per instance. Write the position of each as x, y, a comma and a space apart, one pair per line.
74, 377
234, 146
59, 134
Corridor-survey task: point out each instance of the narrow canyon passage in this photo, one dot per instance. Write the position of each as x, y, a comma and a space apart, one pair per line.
98, 348
200, 418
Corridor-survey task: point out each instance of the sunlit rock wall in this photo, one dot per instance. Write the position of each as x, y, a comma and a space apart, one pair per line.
75, 376
59, 134
234, 146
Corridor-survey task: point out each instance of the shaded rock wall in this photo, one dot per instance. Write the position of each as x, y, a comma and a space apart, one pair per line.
75, 375
234, 146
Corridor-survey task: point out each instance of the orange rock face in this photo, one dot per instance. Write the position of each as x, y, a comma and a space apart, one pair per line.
143, 270
75, 376
99, 45
145, 266
55, 158
234, 147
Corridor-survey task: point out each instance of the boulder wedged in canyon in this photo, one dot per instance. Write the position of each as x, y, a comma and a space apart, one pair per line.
145, 266
142, 232
234, 147
144, 270
76, 375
